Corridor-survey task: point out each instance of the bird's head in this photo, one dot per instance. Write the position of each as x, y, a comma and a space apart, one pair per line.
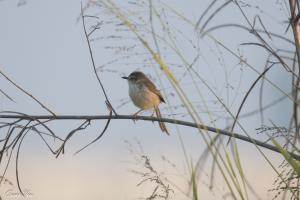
135, 76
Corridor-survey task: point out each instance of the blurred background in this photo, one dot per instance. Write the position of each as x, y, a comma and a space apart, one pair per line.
44, 50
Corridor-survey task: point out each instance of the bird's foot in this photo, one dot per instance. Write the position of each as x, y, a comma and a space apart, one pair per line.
152, 116
134, 117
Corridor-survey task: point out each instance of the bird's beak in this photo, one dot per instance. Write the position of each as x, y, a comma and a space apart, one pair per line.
125, 77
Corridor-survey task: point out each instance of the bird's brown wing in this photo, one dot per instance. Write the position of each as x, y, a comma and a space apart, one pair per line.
152, 88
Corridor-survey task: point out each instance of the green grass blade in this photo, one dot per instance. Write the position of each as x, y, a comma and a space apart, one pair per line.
287, 157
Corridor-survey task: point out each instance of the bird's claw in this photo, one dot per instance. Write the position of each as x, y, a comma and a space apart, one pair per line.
134, 118
152, 116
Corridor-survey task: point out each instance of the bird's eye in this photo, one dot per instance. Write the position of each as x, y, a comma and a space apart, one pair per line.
132, 78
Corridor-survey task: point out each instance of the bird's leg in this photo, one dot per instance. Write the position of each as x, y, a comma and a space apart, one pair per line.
152, 115
135, 115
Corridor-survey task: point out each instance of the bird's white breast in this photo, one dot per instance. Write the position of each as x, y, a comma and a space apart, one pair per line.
142, 97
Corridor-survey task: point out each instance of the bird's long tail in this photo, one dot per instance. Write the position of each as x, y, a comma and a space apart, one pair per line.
161, 124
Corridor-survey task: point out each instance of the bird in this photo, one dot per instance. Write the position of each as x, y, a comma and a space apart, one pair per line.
145, 95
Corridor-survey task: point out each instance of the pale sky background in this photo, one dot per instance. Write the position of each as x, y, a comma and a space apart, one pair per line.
43, 49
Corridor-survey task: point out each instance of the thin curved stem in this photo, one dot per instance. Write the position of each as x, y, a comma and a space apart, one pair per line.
87, 36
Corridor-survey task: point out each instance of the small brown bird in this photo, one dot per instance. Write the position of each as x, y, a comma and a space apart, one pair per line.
145, 95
